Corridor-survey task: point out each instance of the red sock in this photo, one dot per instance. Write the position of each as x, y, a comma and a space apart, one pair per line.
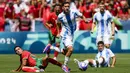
56, 54
54, 62
27, 69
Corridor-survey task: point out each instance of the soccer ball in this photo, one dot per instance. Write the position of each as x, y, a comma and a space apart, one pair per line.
83, 66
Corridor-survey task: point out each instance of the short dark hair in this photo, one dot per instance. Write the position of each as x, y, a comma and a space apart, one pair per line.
16, 47
65, 3
100, 42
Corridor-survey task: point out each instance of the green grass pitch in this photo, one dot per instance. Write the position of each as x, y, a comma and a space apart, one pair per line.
10, 62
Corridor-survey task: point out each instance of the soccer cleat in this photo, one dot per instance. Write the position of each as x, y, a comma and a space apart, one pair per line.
47, 48
65, 69
42, 70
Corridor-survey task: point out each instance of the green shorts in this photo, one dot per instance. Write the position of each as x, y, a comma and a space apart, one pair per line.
53, 39
38, 63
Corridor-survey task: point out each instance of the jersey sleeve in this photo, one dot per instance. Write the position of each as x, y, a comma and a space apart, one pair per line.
110, 53
94, 18
78, 14
25, 55
110, 16
59, 18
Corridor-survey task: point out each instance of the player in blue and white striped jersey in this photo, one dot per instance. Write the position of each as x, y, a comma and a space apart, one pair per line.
105, 25
68, 20
102, 58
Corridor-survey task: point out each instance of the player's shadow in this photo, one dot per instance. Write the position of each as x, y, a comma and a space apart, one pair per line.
37, 47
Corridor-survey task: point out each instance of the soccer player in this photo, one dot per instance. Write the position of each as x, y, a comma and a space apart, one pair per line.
29, 63
102, 58
105, 25
68, 20
54, 34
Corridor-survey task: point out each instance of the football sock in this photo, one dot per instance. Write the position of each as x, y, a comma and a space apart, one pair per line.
55, 48
56, 54
54, 62
66, 60
27, 69
86, 61
94, 63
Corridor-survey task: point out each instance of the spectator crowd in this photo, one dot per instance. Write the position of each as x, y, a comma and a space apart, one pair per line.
22, 14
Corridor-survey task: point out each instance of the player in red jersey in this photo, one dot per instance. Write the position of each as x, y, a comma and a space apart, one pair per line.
54, 39
2, 18
29, 63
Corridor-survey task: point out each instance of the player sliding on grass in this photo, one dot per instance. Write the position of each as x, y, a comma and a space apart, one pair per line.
29, 63
102, 58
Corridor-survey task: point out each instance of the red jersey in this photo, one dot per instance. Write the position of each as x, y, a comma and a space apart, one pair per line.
52, 20
35, 11
9, 12
2, 8
30, 60
45, 13
87, 12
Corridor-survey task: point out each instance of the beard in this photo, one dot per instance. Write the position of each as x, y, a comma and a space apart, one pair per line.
67, 11
57, 12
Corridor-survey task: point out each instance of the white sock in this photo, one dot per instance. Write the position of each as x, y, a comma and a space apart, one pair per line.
55, 48
66, 60
94, 63
86, 61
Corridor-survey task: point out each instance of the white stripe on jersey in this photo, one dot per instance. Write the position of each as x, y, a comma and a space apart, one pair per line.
68, 22
103, 23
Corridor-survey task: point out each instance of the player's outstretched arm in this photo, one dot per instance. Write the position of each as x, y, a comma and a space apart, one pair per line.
24, 62
113, 61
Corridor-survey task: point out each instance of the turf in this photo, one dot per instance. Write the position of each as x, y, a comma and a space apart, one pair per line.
10, 62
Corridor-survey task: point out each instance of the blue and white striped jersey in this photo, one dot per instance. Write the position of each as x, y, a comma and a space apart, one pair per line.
106, 54
68, 22
103, 22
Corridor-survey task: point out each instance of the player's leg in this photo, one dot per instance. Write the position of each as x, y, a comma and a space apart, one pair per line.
100, 61
47, 60
90, 62
99, 38
69, 46
51, 41
107, 40
30, 69
57, 40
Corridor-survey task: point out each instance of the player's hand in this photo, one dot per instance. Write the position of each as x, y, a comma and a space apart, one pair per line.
58, 35
91, 32
13, 71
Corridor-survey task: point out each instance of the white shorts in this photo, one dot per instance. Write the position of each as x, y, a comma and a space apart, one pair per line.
105, 39
67, 40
